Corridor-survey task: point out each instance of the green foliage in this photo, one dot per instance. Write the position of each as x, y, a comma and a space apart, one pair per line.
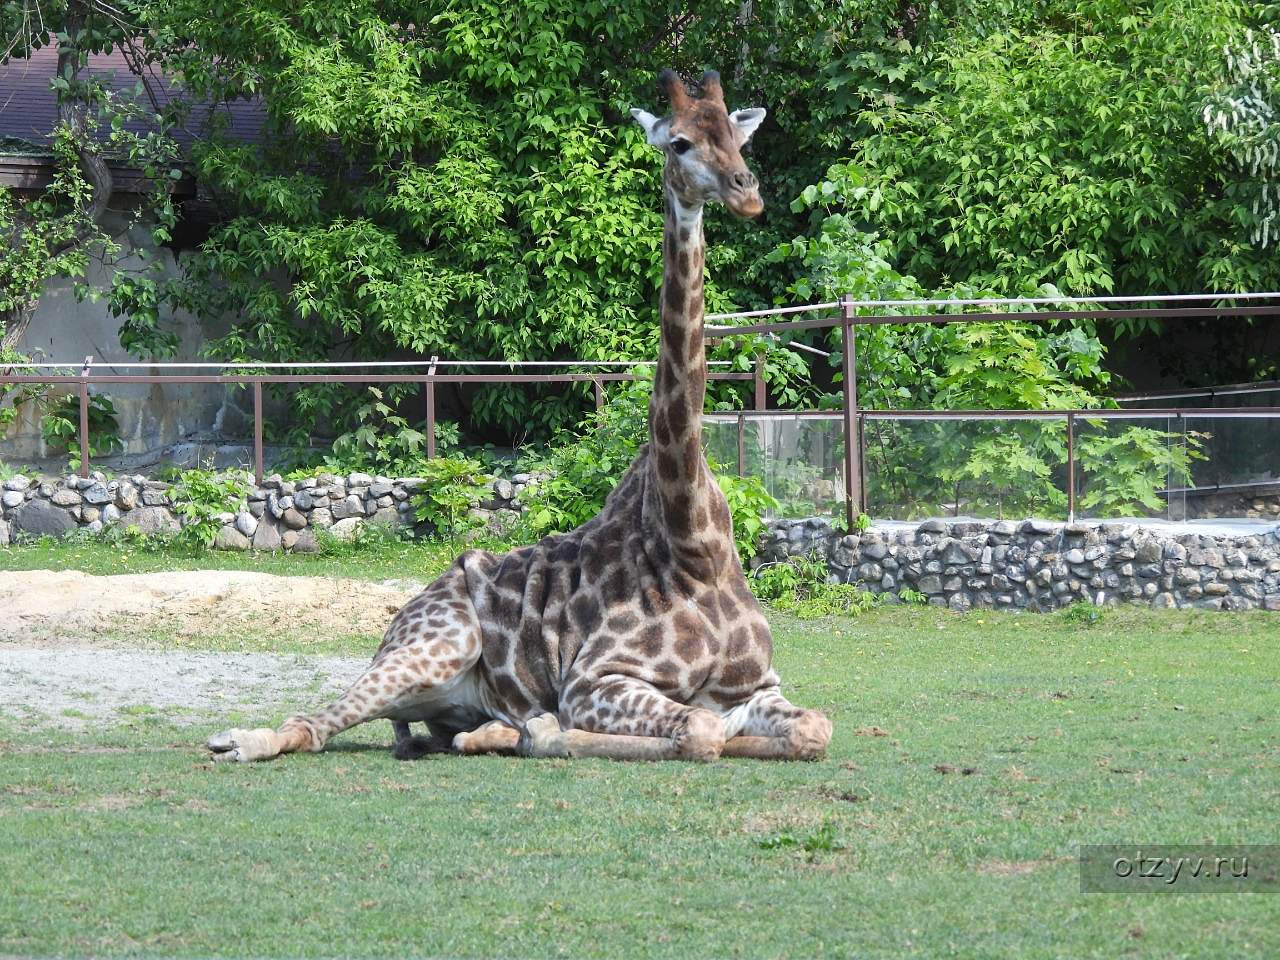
60, 426
1065, 146
749, 505
200, 494
586, 464
454, 484
56, 231
822, 840
800, 586
1082, 614
382, 440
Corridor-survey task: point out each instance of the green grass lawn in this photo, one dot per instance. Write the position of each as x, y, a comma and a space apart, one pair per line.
1151, 727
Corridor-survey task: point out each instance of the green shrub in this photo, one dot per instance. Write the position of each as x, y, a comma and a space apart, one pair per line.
60, 426
199, 495
749, 503
454, 484
799, 586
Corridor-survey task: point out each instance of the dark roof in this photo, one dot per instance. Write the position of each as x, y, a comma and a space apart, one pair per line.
29, 110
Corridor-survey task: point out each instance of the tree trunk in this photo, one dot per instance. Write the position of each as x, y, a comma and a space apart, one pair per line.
73, 110
16, 322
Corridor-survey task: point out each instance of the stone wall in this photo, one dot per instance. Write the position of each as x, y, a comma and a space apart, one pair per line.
278, 515
1042, 565
1034, 565
66, 329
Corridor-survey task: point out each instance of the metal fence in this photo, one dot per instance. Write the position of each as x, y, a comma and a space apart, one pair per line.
433, 376
845, 446
849, 314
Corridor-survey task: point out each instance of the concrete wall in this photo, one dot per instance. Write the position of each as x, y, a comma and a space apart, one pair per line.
151, 417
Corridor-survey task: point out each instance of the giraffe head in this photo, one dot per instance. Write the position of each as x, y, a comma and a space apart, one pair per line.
703, 144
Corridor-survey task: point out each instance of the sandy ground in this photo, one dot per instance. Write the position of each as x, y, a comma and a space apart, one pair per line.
65, 657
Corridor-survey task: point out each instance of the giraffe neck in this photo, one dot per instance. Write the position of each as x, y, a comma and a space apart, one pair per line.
680, 385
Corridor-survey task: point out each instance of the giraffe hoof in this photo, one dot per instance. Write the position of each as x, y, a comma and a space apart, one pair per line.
243, 745
542, 737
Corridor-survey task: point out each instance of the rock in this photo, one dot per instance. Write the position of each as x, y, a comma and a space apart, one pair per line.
273, 506
90, 514
257, 509
110, 513
352, 506
154, 520
288, 539
380, 489
930, 583
267, 536
230, 538
97, 493
303, 500
14, 498
4, 533
246, 523
1039, 528
306, 542
19, 483
358, 480
503, 489
875, 551
155, 498
933, 526
321, 518
65, 498
126, 496
346, 529
1074, 556
40, 518
293, 519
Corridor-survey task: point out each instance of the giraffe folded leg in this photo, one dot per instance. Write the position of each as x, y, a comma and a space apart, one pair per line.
622, 718
769, 727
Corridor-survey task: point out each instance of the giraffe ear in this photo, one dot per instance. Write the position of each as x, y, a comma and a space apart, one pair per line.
655, 129
747, 120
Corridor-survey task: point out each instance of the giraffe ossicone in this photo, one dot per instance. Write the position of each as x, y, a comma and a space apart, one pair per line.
635, 636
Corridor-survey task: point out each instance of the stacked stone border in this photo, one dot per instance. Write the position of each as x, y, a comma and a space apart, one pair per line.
1041, 565
1035, 565
277, 515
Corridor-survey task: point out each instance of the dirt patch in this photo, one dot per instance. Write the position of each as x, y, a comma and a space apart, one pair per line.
65, 657
67, 608
76, 688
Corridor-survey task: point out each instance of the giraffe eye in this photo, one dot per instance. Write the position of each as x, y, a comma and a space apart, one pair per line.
680, 145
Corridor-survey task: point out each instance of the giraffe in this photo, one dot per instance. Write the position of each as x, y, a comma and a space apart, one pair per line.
635, 636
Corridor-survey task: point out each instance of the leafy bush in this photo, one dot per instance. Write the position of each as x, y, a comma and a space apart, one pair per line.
799, 586
454, 484
749, 504
586, 464
60, 426
199, 495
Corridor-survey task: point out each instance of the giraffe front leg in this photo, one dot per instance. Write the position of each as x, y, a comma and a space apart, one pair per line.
622, 718
769, 727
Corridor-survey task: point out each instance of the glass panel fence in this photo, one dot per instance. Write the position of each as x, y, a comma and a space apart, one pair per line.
1131, 468
992, 469
1235, 467
800, 459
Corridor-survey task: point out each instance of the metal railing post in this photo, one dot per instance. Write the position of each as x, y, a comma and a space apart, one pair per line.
762, 398
84, 417
599, 395
1071, 468
429, 387
742, 445
852, 441
257, 432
